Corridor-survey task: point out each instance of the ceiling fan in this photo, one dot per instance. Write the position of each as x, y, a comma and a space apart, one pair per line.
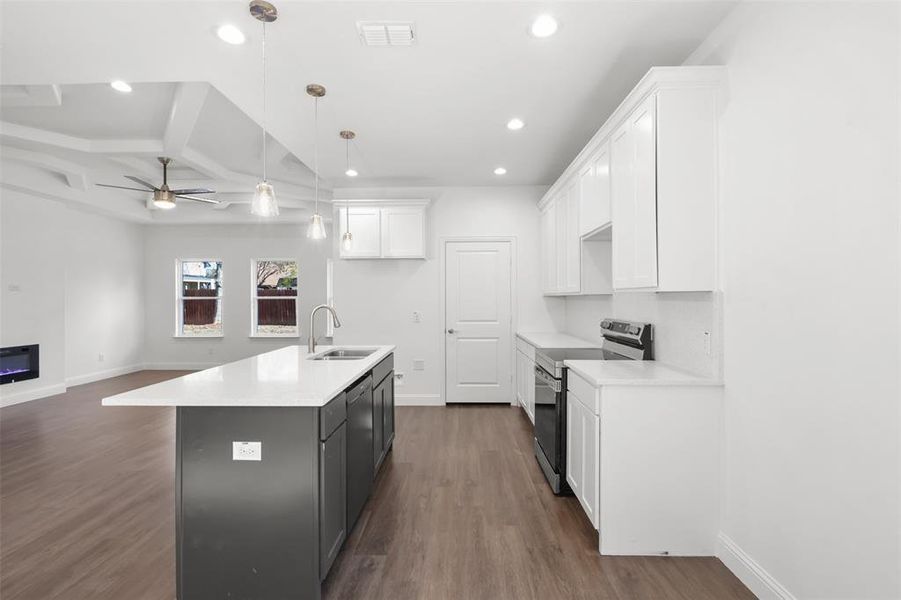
163, 197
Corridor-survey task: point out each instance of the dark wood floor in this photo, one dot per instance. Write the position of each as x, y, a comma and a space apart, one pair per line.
460, 511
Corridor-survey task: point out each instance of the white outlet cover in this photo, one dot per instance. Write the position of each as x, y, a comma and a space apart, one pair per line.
419, 364
247, 451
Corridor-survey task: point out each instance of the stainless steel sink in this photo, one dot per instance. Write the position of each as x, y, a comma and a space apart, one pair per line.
345, 354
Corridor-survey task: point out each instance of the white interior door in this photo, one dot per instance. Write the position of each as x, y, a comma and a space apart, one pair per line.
478, 329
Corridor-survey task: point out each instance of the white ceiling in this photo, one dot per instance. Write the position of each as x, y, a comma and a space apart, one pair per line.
430, 114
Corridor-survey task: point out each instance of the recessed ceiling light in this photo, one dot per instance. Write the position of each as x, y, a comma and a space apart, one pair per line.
351, 172
230, 34
120, 86
544, 26
500, 171
515, 124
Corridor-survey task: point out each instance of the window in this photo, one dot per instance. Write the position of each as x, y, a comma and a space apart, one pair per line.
199, 312
274, 298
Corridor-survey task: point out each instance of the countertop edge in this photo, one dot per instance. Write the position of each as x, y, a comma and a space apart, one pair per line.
688, 379
531, 337
298, 402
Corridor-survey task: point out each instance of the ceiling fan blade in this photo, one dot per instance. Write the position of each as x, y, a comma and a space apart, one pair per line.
196, 199
152, 188
122, 187
194, 191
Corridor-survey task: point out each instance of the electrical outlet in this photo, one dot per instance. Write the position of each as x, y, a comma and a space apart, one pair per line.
398, 378
418, 364
707, 349
247, 451
417, 316
100, 357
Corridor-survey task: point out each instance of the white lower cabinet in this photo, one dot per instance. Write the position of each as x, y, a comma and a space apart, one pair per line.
582, 450
644, 462
525, 377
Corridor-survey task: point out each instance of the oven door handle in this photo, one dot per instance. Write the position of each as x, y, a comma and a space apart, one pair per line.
546, 379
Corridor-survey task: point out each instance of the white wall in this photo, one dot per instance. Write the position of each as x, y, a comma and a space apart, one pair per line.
32, 289
72, 282
810, 240
680, 321
104, 299
236, 246
376, 298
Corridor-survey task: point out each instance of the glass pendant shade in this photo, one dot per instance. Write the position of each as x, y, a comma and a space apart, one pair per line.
316, 229
264, 203
347, 241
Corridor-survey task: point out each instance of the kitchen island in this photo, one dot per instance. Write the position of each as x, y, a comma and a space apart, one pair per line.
275, 457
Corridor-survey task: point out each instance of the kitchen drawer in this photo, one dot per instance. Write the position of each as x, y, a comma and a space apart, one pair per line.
381, 370
589, 395
526, 348
332, 415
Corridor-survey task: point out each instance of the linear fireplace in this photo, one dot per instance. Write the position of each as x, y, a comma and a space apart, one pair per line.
18, 363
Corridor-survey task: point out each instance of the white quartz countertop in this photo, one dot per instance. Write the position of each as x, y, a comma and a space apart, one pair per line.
555, 340
283, 377
635, 372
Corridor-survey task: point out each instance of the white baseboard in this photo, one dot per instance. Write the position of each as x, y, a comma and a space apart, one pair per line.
179, 366
98, 375
755, 577
32, 394
418, 400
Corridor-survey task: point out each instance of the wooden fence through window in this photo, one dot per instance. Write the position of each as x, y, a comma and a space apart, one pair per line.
199, 312
281, 311
277, 312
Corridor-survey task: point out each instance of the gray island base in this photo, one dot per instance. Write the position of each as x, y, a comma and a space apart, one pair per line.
266, 494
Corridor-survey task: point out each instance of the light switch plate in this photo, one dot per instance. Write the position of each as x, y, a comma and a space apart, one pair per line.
247, 450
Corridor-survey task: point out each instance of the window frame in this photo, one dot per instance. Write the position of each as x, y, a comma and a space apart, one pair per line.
180, 298
254, 325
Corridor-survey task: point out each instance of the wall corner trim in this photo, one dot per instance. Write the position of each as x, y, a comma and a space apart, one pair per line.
758, 580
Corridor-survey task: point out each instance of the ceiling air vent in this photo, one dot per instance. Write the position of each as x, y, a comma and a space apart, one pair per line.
386, 33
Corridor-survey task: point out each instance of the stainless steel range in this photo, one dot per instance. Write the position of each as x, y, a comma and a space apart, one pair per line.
622, 340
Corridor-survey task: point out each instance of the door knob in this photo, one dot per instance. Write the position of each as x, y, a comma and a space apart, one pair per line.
451, 331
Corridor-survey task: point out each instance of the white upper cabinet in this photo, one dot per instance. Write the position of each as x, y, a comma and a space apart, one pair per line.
645, 190
364, 222
634, 200
571, 248
549, 248
382, 229
560, 250
403, 232
594, 193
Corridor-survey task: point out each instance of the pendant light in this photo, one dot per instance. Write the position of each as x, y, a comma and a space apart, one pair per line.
316, 229
264, 203
348, 135
347, 240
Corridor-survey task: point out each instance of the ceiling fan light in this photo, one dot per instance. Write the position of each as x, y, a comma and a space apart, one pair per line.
264, 203
164, 200
347, 241
316, 229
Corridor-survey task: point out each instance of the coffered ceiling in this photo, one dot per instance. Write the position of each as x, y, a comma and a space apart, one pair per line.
429, 114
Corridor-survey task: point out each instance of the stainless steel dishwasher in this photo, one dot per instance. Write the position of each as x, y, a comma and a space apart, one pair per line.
359, 449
